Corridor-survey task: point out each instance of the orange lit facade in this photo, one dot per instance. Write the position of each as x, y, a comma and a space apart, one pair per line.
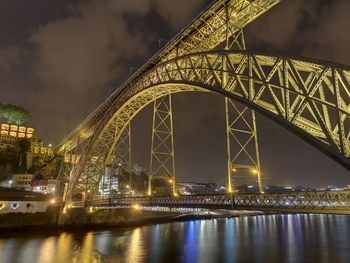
72, 158
38, 148
16, 131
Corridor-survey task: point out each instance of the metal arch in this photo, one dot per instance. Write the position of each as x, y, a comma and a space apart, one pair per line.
86, 175
218, 22
309, 97
312, 99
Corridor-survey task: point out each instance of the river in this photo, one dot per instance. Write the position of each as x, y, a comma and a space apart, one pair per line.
269, 238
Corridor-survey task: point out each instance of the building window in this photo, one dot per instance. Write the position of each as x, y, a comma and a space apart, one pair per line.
14, 205
5, 127
14, 128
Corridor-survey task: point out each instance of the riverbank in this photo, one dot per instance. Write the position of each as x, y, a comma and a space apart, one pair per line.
83, 218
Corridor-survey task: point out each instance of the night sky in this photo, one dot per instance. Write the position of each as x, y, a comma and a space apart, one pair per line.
61, 58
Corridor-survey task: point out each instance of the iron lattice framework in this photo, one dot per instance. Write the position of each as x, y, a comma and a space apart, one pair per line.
162, 162
310, 98
241, 133
242, 143
307, 202
123, 156
221, 21
68, 160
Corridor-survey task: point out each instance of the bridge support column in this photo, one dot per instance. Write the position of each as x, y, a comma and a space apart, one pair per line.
162, 162
123, 154
118, 165
241, 133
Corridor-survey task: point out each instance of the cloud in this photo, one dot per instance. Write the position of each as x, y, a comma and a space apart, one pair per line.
330, 38
278, 27
177, 13
9, 57
81, 54
307, 28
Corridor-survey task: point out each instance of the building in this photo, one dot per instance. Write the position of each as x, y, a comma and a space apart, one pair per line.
11, 134
8, 145
109, 183
46, 186
189, 188
37, 147
22, 181
16, 131
39, 155
16, 201
138, 169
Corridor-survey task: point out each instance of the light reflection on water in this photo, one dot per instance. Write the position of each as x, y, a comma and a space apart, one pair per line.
274, 238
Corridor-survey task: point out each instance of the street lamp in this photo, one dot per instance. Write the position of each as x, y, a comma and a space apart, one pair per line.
254, 171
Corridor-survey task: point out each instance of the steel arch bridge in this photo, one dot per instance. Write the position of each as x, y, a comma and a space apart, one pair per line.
301, 95
310, 98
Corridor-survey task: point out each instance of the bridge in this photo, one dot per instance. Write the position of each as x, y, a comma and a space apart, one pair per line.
301, 202
310, 98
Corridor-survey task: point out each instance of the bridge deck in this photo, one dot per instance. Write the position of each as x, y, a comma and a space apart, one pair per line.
302, 202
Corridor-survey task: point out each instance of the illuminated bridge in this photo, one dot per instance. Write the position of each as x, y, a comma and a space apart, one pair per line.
310, 98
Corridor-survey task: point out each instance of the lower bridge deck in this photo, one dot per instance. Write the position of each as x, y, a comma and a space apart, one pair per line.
298, 202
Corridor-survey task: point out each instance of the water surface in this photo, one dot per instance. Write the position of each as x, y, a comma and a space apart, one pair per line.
273, 238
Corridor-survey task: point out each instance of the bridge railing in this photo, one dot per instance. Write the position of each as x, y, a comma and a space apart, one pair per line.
324, 201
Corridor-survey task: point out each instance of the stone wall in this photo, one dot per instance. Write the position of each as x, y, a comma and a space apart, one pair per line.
48, 218
111, 217
23, 206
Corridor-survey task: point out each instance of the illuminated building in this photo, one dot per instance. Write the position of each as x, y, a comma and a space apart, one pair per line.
71, 158
45, 186
109, 184
187, 188
22, 181
16, 131
38, 148
10, 134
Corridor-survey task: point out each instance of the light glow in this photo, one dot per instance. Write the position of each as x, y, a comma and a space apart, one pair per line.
137, 207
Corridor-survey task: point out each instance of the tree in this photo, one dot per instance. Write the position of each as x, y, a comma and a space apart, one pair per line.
14, 114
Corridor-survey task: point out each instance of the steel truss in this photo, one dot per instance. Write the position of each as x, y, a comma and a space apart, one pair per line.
162, 161
123, 157
317, 202
68, 160
241, 132
219, 22
242, 143
310, 98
